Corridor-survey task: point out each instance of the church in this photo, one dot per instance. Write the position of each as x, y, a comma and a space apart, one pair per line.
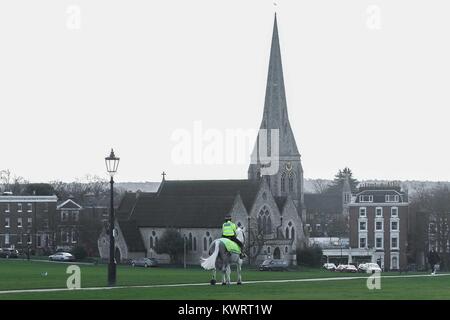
269, 205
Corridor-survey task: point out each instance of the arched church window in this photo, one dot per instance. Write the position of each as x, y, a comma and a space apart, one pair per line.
195, 244
287, 233
268, 225
190, 244
156, 241
264, 221
153, 233
292, 233
205, 244
207, 233
151, 242
283, 182
286, 249
291, 182
210, 240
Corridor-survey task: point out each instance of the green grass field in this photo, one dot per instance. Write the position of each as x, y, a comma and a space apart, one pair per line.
18, 274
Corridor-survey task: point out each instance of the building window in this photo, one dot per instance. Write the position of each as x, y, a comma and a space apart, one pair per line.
6, 238
292, 233
64, 215
394, 226
379, 212
195, 244
19, 222
318, 227
379, 226
19, 207
391, 198
362, 226
75, 215
362, 212
264, 221
190, 244
19, 239
394, 242
394, 212
379, 242
362, 242
286, 249
151, 242
38, 240
29, 207
347, 198
287, 232
29, 239
394, 263
205, 244
291, 182
8, 207
283, 182
365, 198
30, 222
268, 250
7, 223
46, 207
74, 236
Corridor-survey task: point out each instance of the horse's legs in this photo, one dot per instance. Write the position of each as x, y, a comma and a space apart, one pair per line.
224, 276
213, 279
239, 265
229, 274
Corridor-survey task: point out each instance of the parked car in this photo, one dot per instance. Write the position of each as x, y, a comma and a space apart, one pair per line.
346, 268
144, 262
329, 266
273, 265
61, 256
369, 267
8, 253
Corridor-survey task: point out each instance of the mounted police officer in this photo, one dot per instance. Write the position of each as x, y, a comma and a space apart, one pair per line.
229, 231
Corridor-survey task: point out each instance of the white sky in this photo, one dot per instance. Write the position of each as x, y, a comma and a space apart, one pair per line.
136, 71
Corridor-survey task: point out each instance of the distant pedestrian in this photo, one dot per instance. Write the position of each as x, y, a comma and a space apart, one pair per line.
433, 260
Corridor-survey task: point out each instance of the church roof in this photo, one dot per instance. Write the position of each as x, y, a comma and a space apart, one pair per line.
132, 235
212, 188
323, 203
182, 211
187, 203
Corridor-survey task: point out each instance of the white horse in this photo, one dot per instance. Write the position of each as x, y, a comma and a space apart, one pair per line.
220, 258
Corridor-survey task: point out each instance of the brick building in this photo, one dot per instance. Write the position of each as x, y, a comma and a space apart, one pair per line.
379, 223
27, 222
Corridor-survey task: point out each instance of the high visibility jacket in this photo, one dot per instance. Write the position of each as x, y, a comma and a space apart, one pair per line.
229, 229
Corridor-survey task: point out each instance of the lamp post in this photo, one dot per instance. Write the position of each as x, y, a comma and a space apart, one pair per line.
112, 163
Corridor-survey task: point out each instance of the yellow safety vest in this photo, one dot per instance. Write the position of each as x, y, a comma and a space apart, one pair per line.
229, 229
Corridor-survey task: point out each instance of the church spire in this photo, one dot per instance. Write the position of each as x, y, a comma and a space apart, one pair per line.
275, 107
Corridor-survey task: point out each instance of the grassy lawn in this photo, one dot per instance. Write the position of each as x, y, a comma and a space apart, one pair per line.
18, 274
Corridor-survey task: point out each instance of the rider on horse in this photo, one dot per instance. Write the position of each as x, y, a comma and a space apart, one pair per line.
229, 232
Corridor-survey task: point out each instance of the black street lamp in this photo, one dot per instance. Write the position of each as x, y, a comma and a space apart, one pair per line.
112, 162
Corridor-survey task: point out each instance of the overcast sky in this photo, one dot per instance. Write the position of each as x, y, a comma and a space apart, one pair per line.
367, 84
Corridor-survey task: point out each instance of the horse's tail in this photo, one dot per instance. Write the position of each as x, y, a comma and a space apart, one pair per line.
210, 262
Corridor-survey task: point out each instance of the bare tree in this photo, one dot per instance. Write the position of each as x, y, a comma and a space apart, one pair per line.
321, 185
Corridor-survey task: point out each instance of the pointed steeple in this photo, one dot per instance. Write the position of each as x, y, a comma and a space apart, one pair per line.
275, 107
